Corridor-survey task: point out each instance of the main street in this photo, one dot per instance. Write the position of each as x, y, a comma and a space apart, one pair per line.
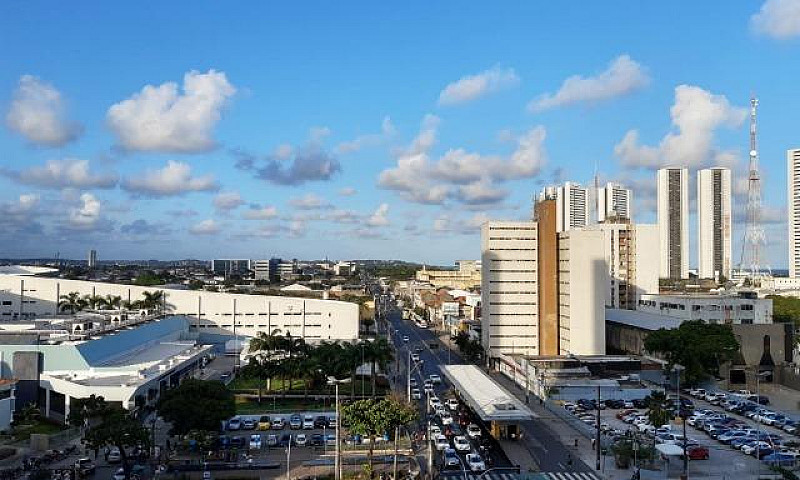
550, 454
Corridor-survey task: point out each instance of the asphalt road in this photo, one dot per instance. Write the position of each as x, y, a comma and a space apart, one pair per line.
550, 454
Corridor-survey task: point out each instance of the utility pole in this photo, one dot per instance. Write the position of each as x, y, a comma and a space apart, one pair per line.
396, 438
597, 432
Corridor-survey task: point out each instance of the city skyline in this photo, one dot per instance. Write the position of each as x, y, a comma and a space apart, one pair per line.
311, 130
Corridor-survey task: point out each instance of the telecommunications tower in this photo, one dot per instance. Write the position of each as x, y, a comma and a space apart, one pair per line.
754, 239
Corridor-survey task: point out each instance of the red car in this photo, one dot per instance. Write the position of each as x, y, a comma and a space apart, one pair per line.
697, 452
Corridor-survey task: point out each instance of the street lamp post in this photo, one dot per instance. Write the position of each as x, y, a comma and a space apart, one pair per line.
337, 461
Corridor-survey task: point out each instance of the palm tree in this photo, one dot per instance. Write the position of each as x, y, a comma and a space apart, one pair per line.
92, 301
351, 357
72, 302
152, 300
112, 302
380, 354
658, 408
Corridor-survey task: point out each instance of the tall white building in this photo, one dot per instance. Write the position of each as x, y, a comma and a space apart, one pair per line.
793, 210
572, 205
714, 222
614, 201
630, 252
673, 222
91, 261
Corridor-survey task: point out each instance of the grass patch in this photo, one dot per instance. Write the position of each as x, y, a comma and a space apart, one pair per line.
250, 385
247, 406
24, 431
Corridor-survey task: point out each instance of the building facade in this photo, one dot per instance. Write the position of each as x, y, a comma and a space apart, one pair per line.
466, 276
714, 225
230, 266
673, 222
631, 253
211, 313
793, 210
572, 205
727, 309
614, 202
91, 260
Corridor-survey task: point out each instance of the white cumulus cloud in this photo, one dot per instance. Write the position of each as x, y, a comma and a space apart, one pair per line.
227, 200
65, 173
369, 140
205, 227
309, 201
174, 179
472, 87
257, 212
778, 19
164, 119
696, 115
38, 113
623, 76
378, 218
87, 214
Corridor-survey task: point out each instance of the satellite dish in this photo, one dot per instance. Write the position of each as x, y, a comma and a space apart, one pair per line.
753, 153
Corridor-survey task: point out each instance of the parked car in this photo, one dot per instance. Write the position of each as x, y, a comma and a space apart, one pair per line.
317, 440
284, 440
278, 423
255, 442
300, 439
248, 424
308, 422
295, 422
234, 424
321, 422
264, 423
272, 440
697, 452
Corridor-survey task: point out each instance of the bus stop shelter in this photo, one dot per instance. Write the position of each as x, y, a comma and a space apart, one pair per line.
495, 406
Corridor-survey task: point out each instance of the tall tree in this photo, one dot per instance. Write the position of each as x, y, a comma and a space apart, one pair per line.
380, 354
658, 408
373, 417
197, 405
72, 302
112, 302
108, 425
700, 347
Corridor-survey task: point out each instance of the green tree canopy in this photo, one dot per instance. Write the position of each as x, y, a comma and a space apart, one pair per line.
785, 309
197, 405
373, 417
700, 347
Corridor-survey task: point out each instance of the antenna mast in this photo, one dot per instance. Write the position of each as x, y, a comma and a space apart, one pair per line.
754, 238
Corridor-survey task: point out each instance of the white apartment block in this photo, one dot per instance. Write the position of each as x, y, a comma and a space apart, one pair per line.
509, 277
673, 222
793, 210
631, 253
714, 224
29, 297
614, 202
725, 309
582, 281
572, 205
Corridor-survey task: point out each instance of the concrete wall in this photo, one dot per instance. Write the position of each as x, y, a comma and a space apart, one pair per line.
547, 275
211, 312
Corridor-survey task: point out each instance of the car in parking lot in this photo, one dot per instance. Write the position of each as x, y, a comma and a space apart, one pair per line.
317, 440
461, 443
264, 423
308, 422
321, 421
473, 431
295, 422
234, 424
272, 440
278, 423
285, 440
237, 442
783, 458
697, 452
300, 439
248, 424
330, 440
475, 462
255, 442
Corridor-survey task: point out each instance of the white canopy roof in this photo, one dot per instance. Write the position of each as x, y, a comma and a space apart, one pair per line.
485, 396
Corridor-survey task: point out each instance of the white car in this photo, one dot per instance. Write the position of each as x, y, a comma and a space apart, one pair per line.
405, 338
434, 400
300, 440
452, 404
114, 456
255, 442
461, 443
475, 462
308, 422
435, 431
751, 449
447, 419
234, 424
473, 431
436, 379
416, 394
440, 441
428, 388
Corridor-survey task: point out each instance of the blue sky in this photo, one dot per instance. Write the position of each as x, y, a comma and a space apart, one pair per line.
368, 130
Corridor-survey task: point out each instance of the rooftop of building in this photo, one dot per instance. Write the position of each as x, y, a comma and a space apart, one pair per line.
642, 320
26, 270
